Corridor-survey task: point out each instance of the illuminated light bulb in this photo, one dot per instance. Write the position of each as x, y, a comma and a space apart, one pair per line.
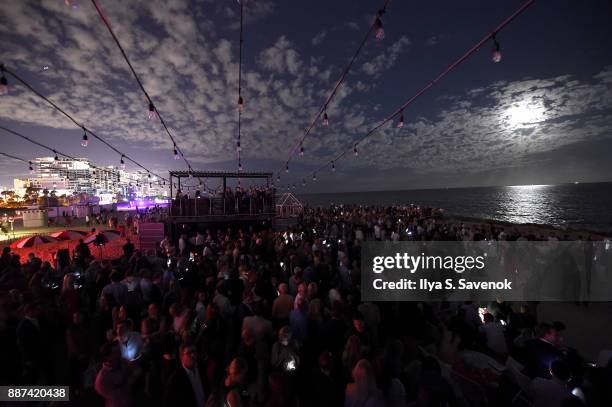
355, 152
380, 31
31, 167
122, 163
84, 142
3, 84
240, 103
497, 56
176, 153
287, 168
401, 122
325, 119
151, 111
238, 147
333, 167
314, 176
301, 151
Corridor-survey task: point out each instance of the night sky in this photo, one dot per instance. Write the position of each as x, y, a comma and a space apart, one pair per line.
541, 115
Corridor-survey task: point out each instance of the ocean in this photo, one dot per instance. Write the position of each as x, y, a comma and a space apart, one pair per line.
572, 206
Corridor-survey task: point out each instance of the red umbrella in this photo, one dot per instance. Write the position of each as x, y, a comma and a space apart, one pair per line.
32, 241
106, 236
68, 234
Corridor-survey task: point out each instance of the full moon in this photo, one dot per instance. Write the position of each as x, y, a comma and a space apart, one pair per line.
524, 114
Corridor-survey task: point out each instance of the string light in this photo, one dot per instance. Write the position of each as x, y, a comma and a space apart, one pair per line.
355, 151
476, 47
497, 56
177, 156
325, 118
301, 151
84, 142
278, 178
314, 176
380, 31
3, 82
151, 111
94, 173
287, 168
401, 122
239, 166
122, 162
64, 113
238, 147
149, 175
56, 158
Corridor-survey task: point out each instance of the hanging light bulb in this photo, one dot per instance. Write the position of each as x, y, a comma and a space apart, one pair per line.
3, 82
278, 178
301, 151
150, 185
56, 158
333, 167
401, 122
287, 168
303, 182
293, 186
355, 152
151, 111
190, 175
497, 56
31, 167
380, 31
314, 176
239, 166
176, 153
54, 185
325, 119
240, 103
94, 173
84, 142
122, 162
238, 148
200, 185
149, 175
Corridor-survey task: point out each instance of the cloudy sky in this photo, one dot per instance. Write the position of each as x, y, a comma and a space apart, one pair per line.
541, 115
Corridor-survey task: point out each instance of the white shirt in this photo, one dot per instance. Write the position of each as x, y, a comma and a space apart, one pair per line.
196, 385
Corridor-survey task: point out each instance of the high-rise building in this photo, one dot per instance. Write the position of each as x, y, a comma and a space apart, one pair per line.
68, 176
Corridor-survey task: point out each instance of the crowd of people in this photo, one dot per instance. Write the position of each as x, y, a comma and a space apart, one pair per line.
247, 316
252, 200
